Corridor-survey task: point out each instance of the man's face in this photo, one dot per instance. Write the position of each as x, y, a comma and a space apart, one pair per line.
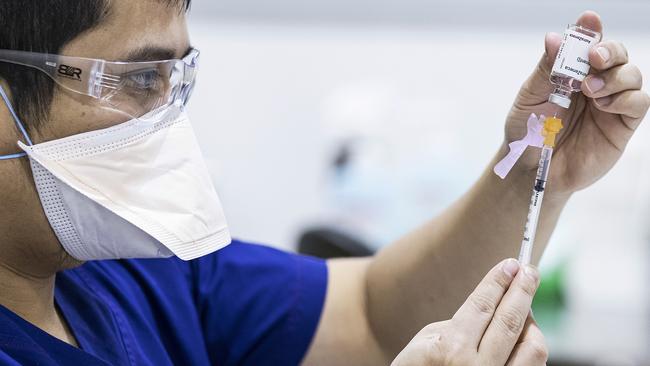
143, 30
135, 31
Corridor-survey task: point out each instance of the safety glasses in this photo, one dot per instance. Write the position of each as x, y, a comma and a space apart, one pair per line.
134, 88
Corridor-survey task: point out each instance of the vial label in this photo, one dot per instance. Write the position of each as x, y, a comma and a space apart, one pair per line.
573, 58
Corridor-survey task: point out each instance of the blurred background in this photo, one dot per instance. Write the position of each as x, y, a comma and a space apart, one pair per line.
356, 120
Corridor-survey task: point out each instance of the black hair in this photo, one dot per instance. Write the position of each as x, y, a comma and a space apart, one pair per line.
45, 26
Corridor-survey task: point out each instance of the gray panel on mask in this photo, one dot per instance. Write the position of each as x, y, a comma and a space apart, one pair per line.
101, 233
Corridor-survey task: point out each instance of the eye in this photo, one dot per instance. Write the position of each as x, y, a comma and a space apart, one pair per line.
143, 80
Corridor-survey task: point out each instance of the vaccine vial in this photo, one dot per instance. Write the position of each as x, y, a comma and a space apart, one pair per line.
572, 63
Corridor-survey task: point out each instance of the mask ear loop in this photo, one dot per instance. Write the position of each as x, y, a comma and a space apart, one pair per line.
19, 124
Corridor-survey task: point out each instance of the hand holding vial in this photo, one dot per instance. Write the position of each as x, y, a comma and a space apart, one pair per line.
599, 122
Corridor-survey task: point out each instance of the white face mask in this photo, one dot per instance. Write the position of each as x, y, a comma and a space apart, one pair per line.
139, 189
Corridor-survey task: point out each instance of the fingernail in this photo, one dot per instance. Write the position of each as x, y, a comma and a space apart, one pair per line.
604, 101
604, 53
595, 83
510, 267
532, 273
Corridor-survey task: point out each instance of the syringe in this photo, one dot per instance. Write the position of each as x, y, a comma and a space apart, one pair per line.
552, 127
568, 72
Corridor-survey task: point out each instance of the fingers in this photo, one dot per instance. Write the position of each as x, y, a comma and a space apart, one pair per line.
607, 54
632, 105
615, 87
531, 349
475, 314
509, 319
426, 348
612, 81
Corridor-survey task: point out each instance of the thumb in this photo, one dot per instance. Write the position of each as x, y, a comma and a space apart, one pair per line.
552, 43
537, 87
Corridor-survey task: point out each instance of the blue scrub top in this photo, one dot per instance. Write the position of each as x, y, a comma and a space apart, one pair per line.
243, 305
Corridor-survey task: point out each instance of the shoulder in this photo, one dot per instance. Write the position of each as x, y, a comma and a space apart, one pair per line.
255, 264
254, 268
259, 305
252, 303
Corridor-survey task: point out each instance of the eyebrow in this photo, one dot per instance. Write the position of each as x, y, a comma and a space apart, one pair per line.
150, 53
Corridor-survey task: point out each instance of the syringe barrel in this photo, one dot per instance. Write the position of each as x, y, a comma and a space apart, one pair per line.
543, 168
526, 252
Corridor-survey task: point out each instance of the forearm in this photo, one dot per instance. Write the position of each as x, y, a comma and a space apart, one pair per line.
425, 276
